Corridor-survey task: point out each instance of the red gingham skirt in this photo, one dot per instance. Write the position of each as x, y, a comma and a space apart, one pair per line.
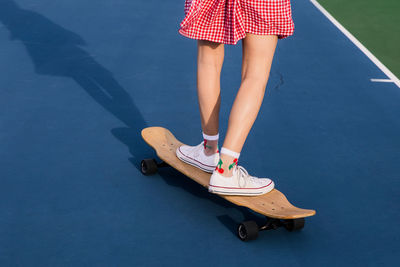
227, 21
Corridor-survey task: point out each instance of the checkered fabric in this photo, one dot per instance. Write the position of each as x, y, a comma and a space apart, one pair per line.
228, 21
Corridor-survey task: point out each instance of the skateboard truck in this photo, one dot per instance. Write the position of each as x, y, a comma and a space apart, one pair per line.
248, 230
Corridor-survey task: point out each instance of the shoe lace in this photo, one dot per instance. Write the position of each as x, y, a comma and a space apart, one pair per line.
244, 177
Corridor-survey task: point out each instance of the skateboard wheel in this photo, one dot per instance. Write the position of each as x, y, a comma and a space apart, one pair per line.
295, 224
247, 230
148, 166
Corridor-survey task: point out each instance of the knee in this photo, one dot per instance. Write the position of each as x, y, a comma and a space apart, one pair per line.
255, 80
210, 57
210, 61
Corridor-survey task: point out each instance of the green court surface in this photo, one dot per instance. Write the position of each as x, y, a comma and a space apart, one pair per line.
376, 24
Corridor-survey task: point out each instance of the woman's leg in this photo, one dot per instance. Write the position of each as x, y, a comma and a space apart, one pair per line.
258, 52
210, 57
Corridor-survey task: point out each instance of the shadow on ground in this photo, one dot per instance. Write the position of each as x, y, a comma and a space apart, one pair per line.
56, 51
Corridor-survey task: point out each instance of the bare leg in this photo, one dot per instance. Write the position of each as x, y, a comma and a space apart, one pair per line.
258, 52
210, 57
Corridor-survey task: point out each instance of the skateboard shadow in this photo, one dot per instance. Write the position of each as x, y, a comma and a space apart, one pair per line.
174, 178
57, 51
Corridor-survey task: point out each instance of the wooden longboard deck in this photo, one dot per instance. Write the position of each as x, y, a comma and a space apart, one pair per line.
273, 204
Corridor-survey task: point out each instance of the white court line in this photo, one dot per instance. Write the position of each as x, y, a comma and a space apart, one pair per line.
389, 74
382, 80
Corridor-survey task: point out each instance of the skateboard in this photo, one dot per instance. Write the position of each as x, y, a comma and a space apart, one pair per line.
273, 205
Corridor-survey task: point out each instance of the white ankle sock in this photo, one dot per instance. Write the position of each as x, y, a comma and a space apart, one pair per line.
229, 152
210, 137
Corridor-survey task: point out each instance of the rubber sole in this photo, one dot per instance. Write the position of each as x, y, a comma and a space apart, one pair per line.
238, 192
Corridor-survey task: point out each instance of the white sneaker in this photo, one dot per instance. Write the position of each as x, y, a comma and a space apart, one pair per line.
194, 155
241, 183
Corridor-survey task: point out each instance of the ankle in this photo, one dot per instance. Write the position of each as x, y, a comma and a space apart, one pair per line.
210, 147
227, 163
210, 144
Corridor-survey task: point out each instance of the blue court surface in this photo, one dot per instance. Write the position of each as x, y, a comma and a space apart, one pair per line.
80, 79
